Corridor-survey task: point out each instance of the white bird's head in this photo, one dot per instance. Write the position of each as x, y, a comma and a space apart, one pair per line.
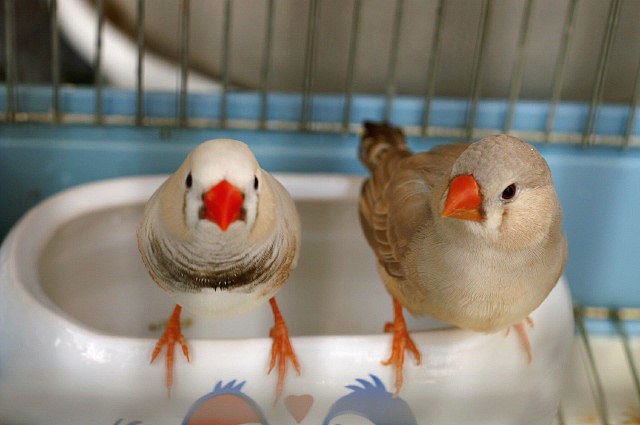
502, 186
221, 181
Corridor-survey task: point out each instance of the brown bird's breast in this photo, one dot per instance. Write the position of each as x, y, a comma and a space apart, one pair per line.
483, 290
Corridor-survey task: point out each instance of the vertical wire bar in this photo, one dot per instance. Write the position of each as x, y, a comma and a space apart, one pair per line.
351, 64
184, 62
433, 65
55, 60
601, 403
266, 65
633, 107
603, 65
10, 58
560, 68
627, 351
518, 67
309, 64
393, 60
97, 64
140, 64
560, 416
476, 74
226, 43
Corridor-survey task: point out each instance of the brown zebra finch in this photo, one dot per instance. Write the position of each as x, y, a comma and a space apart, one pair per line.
466, 233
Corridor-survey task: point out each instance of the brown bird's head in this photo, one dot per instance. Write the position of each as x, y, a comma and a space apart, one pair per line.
502, 187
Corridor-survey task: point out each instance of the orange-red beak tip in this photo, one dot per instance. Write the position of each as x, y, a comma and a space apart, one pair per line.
223, 204
464, 199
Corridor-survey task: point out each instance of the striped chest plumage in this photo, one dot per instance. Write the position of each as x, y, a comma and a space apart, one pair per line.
192, 266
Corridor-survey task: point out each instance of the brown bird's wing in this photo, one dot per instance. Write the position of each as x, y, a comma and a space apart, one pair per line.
396, 201
381, 149
374, 217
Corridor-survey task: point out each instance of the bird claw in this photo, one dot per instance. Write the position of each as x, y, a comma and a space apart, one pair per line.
401, 342
524, 338
281, 349
170, 337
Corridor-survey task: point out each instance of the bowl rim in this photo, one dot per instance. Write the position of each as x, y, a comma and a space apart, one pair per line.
27, 239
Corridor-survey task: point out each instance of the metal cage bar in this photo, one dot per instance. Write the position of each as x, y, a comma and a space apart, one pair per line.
476, 70
336, 110
97, 64
627, 351
560, 68
393, 60
351, 64
306, 114
603, 65
560, 416
226, 51
633, 108
10, 58
265, 70
140, 64
518, 66
55, 61
436, 44
184, 62
617, 324
601, 403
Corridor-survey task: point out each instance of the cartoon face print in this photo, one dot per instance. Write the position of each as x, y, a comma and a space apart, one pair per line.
226, 405
370, 404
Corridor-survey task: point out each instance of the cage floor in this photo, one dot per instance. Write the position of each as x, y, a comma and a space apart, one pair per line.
602, 381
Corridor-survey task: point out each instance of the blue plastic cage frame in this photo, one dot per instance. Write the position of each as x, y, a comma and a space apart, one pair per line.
596, 185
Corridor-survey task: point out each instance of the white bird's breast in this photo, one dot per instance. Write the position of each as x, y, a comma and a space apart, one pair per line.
217, 276
217, 304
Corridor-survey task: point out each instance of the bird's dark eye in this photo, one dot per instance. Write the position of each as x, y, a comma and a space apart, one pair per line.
255, 183
189, 181
509, 192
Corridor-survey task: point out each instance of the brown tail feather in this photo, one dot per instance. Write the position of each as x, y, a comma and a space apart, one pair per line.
377, 141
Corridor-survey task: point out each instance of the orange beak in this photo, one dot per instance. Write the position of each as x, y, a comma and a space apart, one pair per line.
223, 204
464, 199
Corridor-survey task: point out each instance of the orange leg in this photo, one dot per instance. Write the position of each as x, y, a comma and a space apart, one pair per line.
401, 341
169, 338
281, 348
524, 338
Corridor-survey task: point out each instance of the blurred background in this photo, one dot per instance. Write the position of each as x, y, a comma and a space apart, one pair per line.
411, 25
33, 41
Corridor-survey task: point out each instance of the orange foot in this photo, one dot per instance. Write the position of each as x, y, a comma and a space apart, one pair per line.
169, 338
401, 341
522, 333
281, 348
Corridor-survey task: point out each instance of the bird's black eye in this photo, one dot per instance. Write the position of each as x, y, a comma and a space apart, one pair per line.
189, 181
509, 192
255, 183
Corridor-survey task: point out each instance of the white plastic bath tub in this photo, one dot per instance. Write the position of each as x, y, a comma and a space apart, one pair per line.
79, 317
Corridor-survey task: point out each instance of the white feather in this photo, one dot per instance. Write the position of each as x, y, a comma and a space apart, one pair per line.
185, 252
